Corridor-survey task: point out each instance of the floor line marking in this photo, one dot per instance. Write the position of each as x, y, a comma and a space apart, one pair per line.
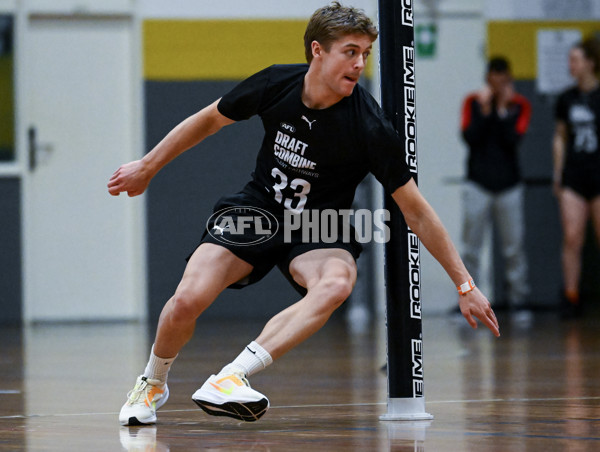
435, 402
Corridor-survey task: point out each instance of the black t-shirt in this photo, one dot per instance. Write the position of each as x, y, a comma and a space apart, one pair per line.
581, 113
314, 159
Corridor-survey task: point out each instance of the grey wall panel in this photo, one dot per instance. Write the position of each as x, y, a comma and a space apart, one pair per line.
542, 222
10, 251
536, 148
181, 197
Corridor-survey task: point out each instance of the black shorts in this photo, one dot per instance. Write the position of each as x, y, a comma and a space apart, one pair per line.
255, 232
585, 181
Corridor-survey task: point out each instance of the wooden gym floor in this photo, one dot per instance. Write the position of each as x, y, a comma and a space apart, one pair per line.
537, 388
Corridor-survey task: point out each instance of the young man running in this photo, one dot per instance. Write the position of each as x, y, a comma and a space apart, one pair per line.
318, 113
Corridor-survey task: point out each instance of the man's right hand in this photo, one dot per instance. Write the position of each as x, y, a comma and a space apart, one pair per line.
132, 178
484, 97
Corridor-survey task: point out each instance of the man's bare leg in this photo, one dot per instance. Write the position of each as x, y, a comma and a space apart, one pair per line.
210, 270
329, 276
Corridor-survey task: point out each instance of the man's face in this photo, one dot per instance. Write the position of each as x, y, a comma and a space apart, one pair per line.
344, 62
498, 81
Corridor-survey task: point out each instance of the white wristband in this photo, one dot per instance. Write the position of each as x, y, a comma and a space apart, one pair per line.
465, 288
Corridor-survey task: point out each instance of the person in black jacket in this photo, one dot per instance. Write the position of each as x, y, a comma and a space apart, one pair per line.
494, 120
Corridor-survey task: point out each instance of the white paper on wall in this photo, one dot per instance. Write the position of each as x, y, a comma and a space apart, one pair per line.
552, 59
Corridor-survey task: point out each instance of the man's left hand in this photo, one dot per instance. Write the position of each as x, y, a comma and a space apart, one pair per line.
475, 304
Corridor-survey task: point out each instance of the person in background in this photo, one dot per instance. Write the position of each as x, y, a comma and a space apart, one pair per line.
494, 120
577, 165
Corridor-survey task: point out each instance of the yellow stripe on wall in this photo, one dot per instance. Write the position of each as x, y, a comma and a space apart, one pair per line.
6, 102
518, 42
219, 49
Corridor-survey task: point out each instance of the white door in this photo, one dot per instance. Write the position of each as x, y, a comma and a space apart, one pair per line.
80, 91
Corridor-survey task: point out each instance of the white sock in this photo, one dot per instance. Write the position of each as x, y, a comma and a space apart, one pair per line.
253, 359
158, 368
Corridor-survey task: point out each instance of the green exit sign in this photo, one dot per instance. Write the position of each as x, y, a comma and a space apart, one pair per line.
426, 40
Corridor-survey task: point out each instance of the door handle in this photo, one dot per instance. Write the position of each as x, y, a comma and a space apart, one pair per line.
31, 135
38, 152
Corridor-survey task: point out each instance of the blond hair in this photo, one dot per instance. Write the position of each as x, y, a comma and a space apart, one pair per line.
334, 21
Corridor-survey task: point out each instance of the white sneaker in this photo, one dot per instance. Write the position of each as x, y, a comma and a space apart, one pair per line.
231, 395
143, 400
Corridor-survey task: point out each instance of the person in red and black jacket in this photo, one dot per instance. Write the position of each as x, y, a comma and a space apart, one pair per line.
494, 120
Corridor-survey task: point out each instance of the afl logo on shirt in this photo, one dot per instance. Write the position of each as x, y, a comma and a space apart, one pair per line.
289, 127
242, 225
